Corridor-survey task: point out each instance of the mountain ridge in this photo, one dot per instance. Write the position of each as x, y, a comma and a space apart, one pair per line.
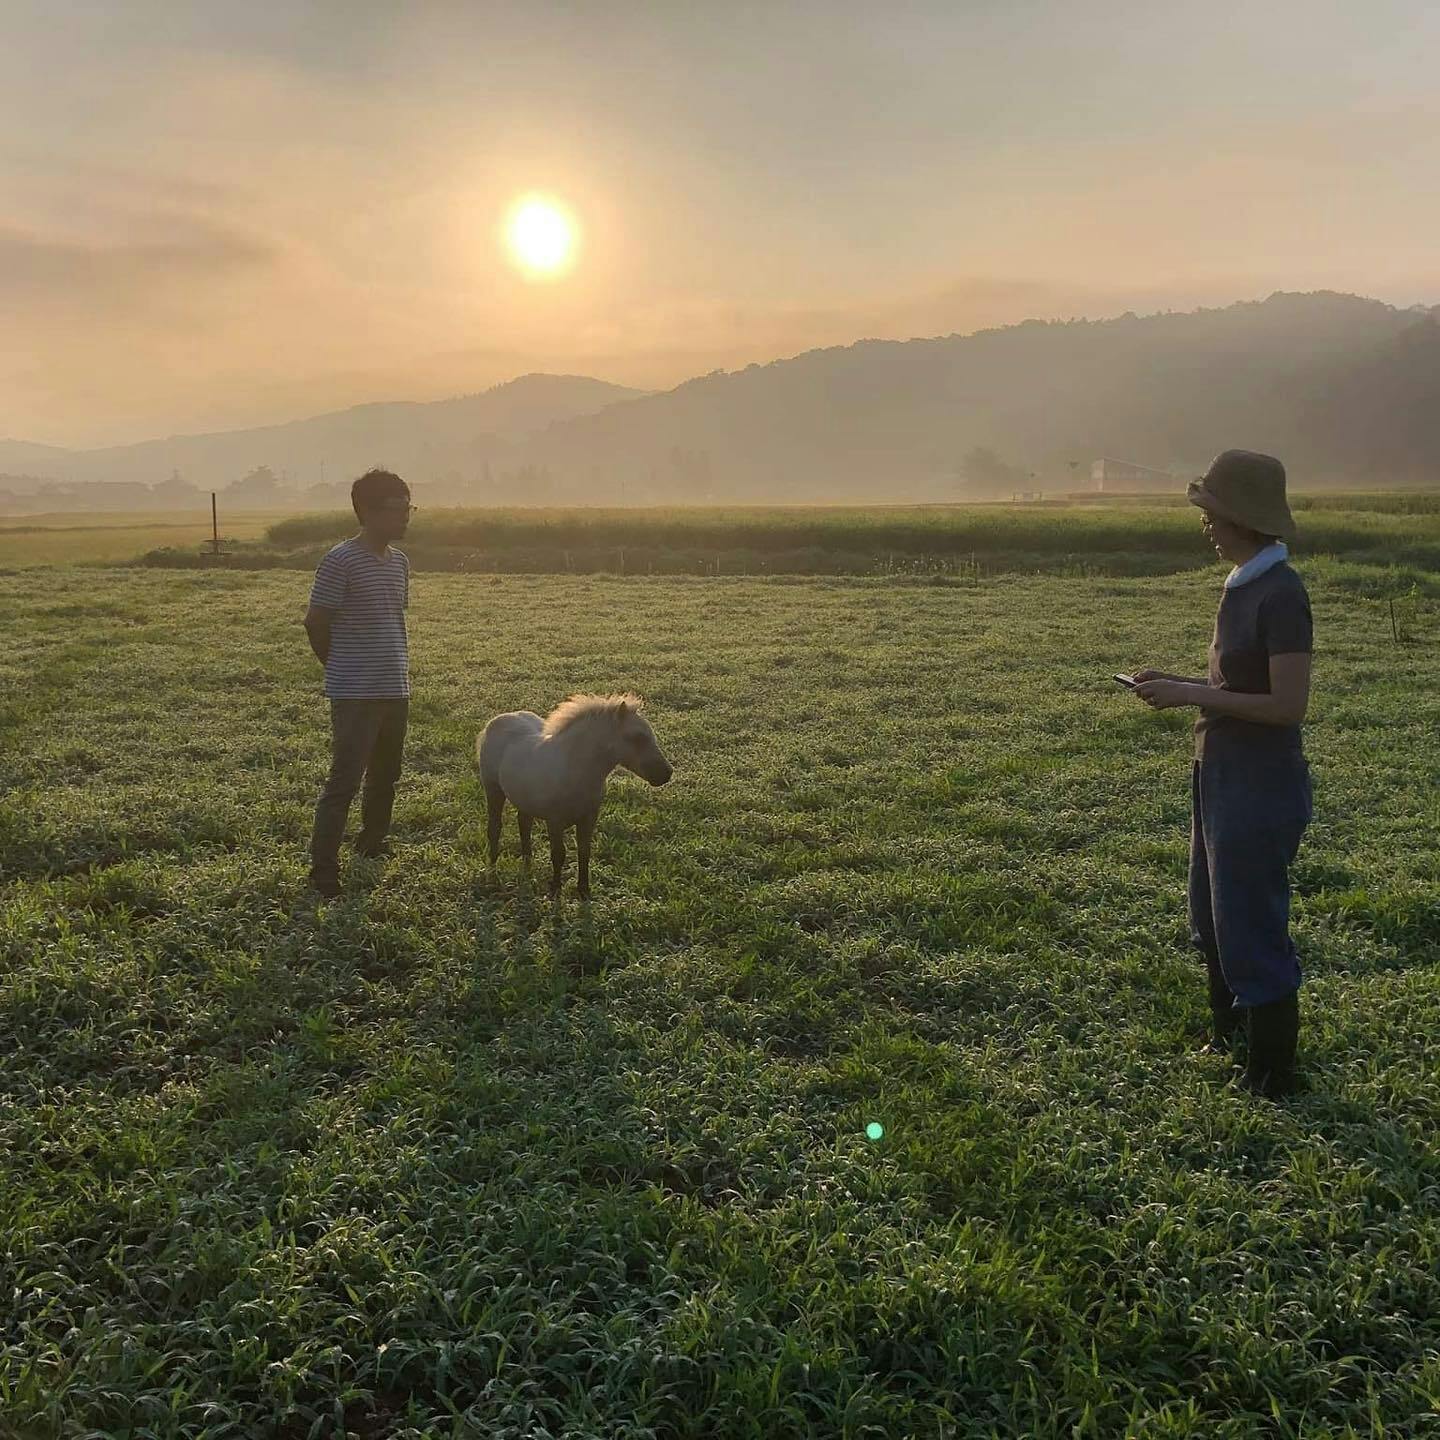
487, 423
882, 417
1341, 386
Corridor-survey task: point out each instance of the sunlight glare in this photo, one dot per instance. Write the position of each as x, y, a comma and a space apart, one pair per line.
541, 236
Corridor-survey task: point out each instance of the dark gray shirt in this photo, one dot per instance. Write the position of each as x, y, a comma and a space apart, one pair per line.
1268, 616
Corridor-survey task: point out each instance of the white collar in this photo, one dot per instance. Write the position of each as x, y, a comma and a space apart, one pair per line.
1257, 564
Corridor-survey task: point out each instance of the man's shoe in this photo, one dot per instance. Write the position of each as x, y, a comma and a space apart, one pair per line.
326, 886
372, 849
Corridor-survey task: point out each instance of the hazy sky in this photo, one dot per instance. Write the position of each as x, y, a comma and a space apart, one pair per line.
216, 214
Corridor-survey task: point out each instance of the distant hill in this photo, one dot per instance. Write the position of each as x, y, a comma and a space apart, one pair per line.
1379, 410
1344, 389
427, 440
20, 458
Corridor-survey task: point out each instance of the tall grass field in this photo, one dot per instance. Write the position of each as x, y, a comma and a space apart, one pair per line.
864, 1100
1108, 536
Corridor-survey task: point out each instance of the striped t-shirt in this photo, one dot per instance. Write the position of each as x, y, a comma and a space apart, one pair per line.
369, 656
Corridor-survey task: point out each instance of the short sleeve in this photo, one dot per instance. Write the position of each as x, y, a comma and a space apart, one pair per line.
1285, 624
328, 591
406, 600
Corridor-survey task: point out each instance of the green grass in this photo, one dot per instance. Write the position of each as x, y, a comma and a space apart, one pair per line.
1110, 537
1381, 502
440, 1159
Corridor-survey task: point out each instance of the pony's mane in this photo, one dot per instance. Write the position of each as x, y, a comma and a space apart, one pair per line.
589, 707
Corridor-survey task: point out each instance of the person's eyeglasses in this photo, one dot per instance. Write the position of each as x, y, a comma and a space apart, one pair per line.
399, 507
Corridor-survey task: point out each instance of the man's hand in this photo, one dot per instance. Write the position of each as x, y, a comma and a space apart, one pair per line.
317, 626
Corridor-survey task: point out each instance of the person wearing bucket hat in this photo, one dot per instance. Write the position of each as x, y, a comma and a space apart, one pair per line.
1247, 489
1250, 783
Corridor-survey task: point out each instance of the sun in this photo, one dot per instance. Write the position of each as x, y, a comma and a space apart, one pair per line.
541, 236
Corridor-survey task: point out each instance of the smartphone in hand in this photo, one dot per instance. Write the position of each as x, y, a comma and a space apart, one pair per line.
1127, 681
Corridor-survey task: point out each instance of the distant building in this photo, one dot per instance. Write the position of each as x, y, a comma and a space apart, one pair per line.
1127, 478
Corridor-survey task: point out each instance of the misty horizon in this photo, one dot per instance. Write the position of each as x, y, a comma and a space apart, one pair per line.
596, 373
421, 384
1340, 385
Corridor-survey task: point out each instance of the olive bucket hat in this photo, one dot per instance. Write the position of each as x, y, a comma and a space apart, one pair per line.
1247, 488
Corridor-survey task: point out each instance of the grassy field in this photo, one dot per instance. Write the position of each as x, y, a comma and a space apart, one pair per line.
442, 1159
107, 538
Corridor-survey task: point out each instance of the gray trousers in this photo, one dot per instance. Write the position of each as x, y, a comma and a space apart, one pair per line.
367, 743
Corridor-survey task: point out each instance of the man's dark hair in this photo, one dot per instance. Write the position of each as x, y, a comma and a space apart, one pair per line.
375, 487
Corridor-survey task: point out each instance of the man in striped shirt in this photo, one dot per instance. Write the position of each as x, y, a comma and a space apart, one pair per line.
356, 625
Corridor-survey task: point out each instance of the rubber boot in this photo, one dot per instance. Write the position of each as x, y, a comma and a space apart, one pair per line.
1224, 1017
1274, 1032
325, 883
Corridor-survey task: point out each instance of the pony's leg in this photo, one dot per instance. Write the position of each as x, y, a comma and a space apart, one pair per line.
526, 850
557, 857
495, 804
583, 832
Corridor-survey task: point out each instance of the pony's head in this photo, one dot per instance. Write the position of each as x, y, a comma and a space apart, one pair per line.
639, 749
623, 716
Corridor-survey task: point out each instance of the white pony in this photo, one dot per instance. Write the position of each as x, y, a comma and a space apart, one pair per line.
555, 769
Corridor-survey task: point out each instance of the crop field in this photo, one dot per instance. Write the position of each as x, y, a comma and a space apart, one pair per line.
95, 537
443, 1158
1107, 536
